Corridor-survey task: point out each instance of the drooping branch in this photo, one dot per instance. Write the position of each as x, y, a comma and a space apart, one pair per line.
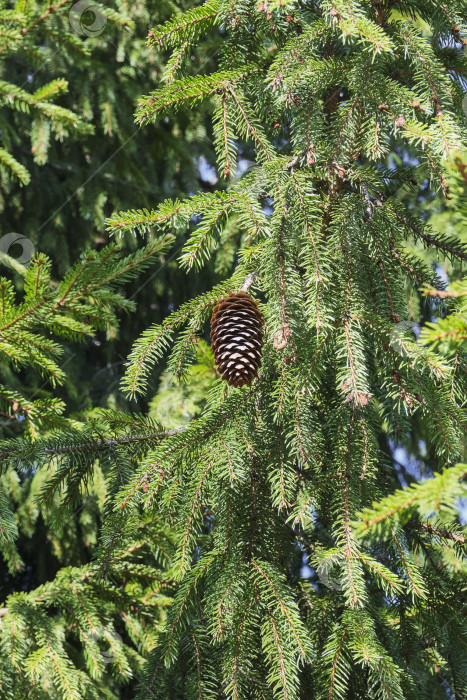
97, 445
438, 532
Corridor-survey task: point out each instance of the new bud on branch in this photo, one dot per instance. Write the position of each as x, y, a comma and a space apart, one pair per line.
237, 338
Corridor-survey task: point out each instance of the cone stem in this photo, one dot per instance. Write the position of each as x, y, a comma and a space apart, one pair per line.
249, 281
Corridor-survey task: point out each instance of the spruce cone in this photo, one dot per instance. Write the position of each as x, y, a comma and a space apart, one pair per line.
237, 338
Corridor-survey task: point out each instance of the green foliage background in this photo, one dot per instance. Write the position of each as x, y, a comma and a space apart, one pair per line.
122, 574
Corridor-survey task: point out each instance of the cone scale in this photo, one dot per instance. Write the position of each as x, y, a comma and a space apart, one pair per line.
237, 338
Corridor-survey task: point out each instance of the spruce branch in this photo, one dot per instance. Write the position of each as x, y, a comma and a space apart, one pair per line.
185, 25
439, 532
204, 532
439, 492
95, 446
50, 10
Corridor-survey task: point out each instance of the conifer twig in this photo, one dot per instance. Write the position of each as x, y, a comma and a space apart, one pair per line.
100, 445
249, 281
445, 534
430, 239
50, 10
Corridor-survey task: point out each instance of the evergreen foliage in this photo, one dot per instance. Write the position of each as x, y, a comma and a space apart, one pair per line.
19, 38
82, 303
295, 469
47, 632
449, 333
67, 118
106, 165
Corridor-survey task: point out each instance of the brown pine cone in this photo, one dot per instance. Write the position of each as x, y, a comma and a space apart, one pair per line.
237, 338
